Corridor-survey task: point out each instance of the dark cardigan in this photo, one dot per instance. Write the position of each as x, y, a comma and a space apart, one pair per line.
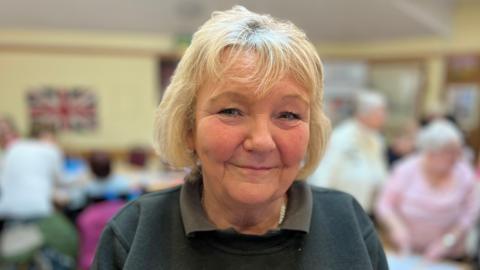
149, 234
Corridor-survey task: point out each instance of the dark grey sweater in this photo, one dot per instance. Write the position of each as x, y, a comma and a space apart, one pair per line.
149, 234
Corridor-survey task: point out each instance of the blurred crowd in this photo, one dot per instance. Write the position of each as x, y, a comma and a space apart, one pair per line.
420, 188
54, 206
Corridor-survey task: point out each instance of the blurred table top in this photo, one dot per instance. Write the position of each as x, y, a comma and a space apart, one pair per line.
415, 262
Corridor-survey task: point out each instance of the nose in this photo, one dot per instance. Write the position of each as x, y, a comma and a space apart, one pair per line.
259, 137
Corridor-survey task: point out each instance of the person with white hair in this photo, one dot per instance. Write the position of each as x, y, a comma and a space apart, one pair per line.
354, 161
429, 203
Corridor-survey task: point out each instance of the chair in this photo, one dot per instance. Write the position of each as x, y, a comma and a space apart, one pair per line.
90, 224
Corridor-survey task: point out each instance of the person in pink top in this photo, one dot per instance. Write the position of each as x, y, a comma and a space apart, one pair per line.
429, 203
478, 167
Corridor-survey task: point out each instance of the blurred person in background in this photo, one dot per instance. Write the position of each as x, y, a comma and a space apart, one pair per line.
95, 181
478, 166
8, 134
354, 161
244, 112
32, 228
438, 111
31, 169
429, 203
403, 142
434, 111
105, 192
103, 182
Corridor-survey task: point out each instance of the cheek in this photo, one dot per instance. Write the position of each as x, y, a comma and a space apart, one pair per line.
448, 162
292, 144
441, 164
215, 140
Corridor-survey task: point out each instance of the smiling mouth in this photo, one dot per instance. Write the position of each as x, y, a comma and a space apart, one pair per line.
254, 174
255, 169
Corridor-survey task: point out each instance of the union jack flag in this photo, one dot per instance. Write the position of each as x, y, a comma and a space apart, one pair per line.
68, 109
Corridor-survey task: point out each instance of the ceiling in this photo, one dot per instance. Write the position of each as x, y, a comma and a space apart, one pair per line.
323, 20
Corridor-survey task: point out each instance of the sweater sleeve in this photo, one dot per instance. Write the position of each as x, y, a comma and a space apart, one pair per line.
392, 193
375, 250
371, 239
111, 251
470, 201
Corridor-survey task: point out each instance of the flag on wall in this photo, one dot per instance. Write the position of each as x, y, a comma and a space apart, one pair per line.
73, 109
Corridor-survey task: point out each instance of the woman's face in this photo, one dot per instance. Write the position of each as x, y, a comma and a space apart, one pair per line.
250, 147
443, 160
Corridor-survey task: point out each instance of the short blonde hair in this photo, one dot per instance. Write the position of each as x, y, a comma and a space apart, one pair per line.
281, 49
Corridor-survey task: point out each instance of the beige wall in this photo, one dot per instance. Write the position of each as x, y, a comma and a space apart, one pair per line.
125, 86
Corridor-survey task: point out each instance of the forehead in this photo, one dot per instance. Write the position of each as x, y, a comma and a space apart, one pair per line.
245, 72
285, 88
451, 147
239, 63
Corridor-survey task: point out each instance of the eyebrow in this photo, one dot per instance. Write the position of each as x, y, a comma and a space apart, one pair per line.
297, 96
238, 97
234, 96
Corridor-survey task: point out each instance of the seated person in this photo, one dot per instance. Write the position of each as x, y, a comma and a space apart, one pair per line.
403, 143
354, 160
104, 184
478, 167
429, 203
30, 174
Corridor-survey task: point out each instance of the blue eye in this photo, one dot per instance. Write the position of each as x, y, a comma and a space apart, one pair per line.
289, 116
230, 112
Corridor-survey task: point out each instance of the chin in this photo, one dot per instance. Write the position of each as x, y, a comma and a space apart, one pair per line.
253, 193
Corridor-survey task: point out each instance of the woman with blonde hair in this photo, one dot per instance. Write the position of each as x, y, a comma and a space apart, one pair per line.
244, 113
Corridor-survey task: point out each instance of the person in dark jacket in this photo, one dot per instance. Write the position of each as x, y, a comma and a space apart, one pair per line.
244, 112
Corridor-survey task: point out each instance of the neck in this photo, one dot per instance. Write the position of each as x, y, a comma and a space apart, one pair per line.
364, 123
245, 219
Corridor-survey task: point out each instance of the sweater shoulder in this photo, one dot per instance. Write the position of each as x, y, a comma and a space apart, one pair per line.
337, 206
133, 208
149, 206
327, 196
